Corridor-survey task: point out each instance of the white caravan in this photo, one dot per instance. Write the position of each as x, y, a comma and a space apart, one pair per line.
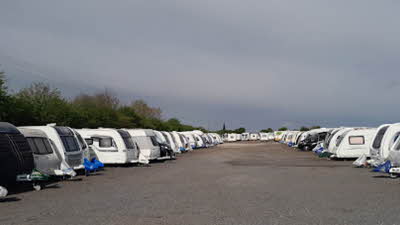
354, 143
111, 146
394, 157
297, 138
199, 141
231, 137
46, 156
190, 138
336, 138
245, 137
225, 137
217, 139
179, 141
254, 137
238, 137
209, 141
383, 141
264, 136
66, 143
171, 142
149, 148
186, 142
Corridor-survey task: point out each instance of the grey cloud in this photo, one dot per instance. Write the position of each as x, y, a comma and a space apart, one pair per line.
268, 63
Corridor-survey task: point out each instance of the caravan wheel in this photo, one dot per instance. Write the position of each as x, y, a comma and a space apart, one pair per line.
393, 175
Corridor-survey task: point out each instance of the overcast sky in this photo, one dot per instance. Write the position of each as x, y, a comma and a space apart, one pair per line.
256, 64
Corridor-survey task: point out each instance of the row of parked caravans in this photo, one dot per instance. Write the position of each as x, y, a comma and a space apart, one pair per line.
233, 137
46, 153
373, 147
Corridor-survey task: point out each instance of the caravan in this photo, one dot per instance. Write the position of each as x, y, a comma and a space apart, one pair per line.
47, 158
231, 137
170, 140
166, 151
312, 139
179, 141
245, 136
111, 146
16, 156
238, 137
254, 136
149, 149
354, 143
190, 138
264, 136
66, 143
383, 141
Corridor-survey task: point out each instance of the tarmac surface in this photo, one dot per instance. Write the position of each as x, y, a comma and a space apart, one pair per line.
238, 183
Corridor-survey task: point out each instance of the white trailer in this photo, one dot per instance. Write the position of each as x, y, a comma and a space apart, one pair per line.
111, 146
148, 146
254, 136
383, 141
354, 143
47, 158
66, 143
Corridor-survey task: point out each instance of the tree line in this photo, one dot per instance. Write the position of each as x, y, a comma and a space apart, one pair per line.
40, 104
303, 128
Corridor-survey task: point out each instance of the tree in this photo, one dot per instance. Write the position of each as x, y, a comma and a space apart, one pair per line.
128, 118
99, 110
269, 130
303, 128
315, 127
4, 98
283, 129
144, 110
40, 104
240, 130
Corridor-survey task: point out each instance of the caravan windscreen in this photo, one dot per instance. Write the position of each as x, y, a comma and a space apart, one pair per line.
341, 137
127, 139
68, 139
329, 138
166, 138
39, 146
154, 141
379, 136
83, 143
70, 143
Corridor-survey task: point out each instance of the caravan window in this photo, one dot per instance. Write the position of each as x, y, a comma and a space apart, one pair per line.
39, 146
166, 138
322, 136
81, 141
154, 141
89, 141
70, 144
331, 136
106, 142
127, 139
397, 146
356, 140
379, 136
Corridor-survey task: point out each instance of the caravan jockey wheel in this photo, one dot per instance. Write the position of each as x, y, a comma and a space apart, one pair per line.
37, 186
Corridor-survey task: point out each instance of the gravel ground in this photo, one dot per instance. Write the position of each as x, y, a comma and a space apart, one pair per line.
240, 183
